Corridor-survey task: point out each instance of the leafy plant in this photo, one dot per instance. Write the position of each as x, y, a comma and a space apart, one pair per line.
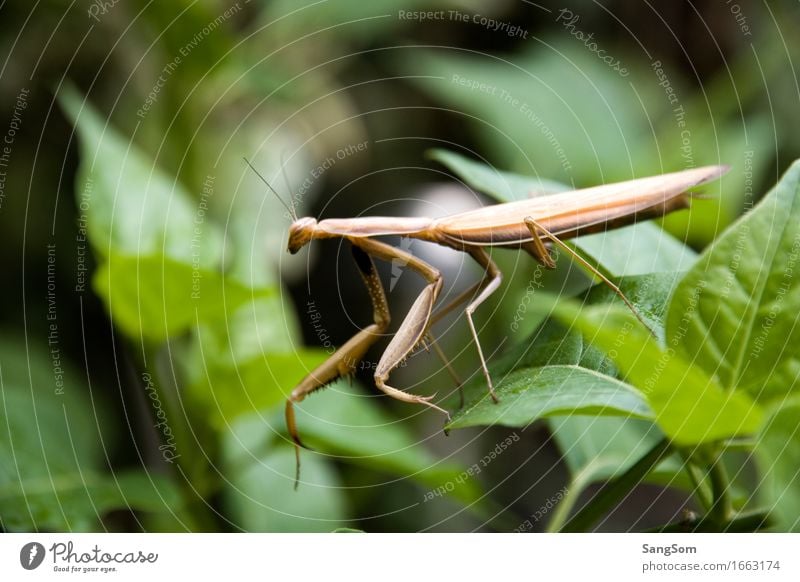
723, 353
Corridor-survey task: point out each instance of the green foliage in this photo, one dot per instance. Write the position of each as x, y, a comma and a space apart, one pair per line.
131, 207
155, 297
690, 406
53, 472
376, 440
690, 376
778, 454
540, 116
261, 497
552, 375
189, 261
502, 186
260, 463
527, 394
735, 313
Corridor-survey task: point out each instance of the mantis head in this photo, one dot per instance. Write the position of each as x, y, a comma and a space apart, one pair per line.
301, 232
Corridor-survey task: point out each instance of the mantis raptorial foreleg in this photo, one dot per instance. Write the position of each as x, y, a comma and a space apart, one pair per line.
415, 325
342, 362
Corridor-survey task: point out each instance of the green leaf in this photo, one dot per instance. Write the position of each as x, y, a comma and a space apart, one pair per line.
778, 456
155, 297
554, 373
690, 406
736, 312
597, 448
637, 249
648, 293
528, 394
562, 114
53, 453
78, 501
503, 186
261, 497
130, 207
249, 361
252, 385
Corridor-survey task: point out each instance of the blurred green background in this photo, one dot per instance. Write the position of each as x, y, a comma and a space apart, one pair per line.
153, 322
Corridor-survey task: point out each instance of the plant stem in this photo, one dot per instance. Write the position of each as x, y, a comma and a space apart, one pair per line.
700, 490
189, 467
743, 523
721, 508
616, 489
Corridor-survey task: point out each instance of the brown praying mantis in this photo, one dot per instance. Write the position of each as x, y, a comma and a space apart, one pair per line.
531, 225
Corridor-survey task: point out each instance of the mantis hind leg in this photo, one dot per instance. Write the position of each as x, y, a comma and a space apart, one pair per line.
543, 255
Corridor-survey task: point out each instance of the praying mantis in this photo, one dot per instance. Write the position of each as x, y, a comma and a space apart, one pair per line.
531, 225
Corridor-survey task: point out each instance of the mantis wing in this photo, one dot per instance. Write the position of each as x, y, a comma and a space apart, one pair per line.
569, 214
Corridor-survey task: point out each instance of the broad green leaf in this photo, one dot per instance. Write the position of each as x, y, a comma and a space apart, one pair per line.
648, 293
155, 297
249, 361
252, 385
503, 186
637, 249
264, 325
260, 495
596, 448
531, 393
778, 458
690, 406
559, 113
735, 314
52, 454
128, 206
78, 501
554, 373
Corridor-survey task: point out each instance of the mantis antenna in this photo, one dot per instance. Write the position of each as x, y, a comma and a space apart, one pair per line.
263, 179
286, 175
